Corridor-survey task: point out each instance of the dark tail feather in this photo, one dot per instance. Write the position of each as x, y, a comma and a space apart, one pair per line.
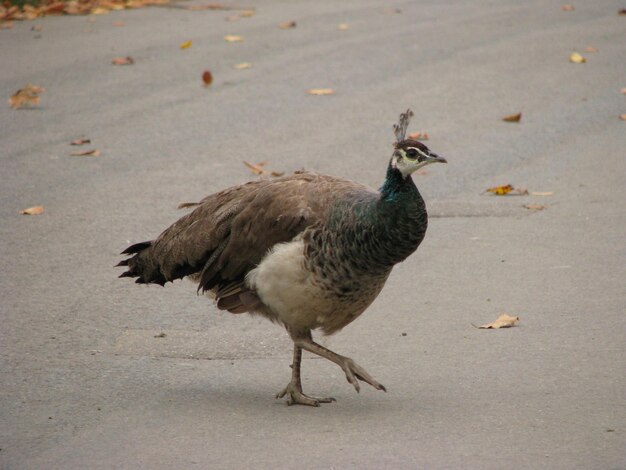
124, 262
136, 248
127, 274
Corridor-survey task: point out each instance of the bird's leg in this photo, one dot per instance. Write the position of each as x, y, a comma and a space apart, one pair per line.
294, 388
352, 370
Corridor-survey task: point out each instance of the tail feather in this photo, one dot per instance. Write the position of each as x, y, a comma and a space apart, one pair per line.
136, 248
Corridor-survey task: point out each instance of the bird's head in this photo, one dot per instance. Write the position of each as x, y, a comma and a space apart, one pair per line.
410, 155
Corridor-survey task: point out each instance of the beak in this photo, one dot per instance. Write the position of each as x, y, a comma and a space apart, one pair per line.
436, 158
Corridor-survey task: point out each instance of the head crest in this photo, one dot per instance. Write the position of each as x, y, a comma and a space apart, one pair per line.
403, 123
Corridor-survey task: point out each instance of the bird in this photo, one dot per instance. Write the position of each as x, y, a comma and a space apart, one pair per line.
307, 251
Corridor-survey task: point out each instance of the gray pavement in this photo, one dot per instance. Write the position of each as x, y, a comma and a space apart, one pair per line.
85, 382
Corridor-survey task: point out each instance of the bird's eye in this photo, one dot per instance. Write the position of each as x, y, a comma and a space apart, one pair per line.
411, 153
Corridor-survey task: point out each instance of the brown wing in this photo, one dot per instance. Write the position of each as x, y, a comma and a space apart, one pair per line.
230, 231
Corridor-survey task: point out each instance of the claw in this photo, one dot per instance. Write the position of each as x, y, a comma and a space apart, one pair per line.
296, 397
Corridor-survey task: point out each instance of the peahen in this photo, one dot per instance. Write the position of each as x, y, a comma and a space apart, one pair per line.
307, 251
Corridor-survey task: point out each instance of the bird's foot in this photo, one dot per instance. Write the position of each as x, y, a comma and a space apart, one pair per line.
296, 397
355, 372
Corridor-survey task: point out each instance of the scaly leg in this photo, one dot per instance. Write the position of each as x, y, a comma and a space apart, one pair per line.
352, 370
294, 388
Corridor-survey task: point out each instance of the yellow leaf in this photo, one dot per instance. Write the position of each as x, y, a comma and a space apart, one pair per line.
242, 65
513, 118
27, 96
500, 190
576, 58
622, 117
186, 45
503, 321
233, 38
35, 210
321, 91
343, 26
542, 193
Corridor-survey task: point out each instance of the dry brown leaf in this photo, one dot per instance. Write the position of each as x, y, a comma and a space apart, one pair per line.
590, 49
622, 117
503, 321
35, 210
233, 38
343, 26
119, 24
622, 11
242, 65
86, 153
287, 25
623, 91
534, 207
207, 78
123, 61
210, 6
513, 118
80, 142
576, 58
418, 136
567, 7
321, 91
257, 169
186, 45
542, 193
27, 96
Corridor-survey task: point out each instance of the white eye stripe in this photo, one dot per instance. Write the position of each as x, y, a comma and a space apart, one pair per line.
419, 152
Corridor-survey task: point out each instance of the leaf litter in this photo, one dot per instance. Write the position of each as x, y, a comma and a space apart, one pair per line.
503, 321
123, 61
257, 169
507, 189
513, 118
35, 210
321, 91
86, 153
26, 97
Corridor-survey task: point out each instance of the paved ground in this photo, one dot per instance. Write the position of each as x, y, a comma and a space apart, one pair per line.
85, 383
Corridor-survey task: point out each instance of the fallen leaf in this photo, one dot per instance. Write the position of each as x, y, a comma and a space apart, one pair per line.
118, 24
576, 58
622, 11
35, 210
27, 96
160, 335
513, 118
247, 13
86, 153
123, 61
590, 49
623, 91
567, 7
343, 26
542, 193
210, 6
534, 207
622, 117
80, 142
321, 91
500, 190
257, 169
233, 38
503, 321
242, 65
186, 45
287, 25
418, 136
207, 78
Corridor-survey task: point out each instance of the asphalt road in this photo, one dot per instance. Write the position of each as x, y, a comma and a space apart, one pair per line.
86, 381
